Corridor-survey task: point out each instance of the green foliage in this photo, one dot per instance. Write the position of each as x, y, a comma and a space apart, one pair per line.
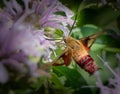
73, 79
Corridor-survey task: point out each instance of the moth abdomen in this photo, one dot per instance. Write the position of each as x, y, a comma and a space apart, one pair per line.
88, 64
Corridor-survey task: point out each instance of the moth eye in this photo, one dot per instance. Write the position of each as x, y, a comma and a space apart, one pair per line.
65, 40
73, 47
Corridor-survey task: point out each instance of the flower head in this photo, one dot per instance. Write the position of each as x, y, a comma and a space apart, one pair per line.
22, 33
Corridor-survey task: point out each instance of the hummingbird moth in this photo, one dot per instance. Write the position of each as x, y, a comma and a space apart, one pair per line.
78, 51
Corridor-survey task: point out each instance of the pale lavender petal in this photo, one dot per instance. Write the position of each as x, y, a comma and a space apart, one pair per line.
50, 10
104, 2
65, 21
106, 64
118, 4
31, 47
32, 68
46, 14
34, 5
18, 56
118, 56
67, 11
115, 81
15, 65
41, 9
3, 74
17, 6
26, 2
49, 18
22, 35
9, 7
7, 45
99, 84
58, 26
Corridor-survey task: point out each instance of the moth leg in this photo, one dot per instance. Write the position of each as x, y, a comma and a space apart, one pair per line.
65, 58
59, 59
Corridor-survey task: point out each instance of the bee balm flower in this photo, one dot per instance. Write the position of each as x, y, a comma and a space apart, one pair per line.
22, 33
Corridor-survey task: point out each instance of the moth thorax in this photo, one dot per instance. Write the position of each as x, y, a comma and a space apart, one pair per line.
88, 64
67, 39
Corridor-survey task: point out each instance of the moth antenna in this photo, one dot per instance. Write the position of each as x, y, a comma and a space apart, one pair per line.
73, 24
76, 16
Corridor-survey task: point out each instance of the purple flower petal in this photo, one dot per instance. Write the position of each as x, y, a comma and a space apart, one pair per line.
58, 26
67, 11
115, 81
17, 6
104, 2
32, 68
15, 65
9, 7
44, 6
3, 74
22, 35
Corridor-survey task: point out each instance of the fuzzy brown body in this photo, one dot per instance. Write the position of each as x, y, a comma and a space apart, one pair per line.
80, 55
78, 50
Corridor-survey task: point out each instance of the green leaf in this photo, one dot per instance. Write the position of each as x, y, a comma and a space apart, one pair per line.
73, 79
58, 86
100, 16
89, 29
56, 81
38, 82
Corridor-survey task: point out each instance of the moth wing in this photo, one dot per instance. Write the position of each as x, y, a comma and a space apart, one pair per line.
89, 40
66, 57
